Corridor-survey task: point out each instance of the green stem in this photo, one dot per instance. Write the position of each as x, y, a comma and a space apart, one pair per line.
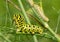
57, 37
4, 37
24, 13
35, 38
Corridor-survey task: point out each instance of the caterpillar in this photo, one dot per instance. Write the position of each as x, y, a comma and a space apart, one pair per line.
24, 28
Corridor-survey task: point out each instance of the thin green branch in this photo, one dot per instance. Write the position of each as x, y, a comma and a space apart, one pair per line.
24, 13
8, 11
46, 35
16, 6
58, 20
35, 38
4, 37
57, 37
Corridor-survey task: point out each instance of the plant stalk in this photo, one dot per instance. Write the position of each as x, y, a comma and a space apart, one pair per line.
24, 13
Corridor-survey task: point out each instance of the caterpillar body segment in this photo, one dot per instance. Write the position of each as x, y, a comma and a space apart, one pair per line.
30, 30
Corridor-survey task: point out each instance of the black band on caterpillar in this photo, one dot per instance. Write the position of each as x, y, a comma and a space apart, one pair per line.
25, 28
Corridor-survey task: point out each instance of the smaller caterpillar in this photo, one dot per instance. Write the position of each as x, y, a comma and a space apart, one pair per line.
41, 13
25, 28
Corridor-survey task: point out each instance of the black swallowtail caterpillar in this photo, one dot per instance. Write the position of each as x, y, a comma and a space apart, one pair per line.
22, 27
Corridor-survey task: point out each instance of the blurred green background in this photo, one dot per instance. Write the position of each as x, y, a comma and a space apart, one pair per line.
7, 10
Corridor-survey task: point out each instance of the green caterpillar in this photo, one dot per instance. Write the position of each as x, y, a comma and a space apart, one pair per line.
22, 27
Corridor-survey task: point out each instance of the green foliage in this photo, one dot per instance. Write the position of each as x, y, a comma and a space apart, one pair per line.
7, 29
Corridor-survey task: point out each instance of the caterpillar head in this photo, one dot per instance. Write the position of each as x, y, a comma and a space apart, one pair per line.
18, 19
